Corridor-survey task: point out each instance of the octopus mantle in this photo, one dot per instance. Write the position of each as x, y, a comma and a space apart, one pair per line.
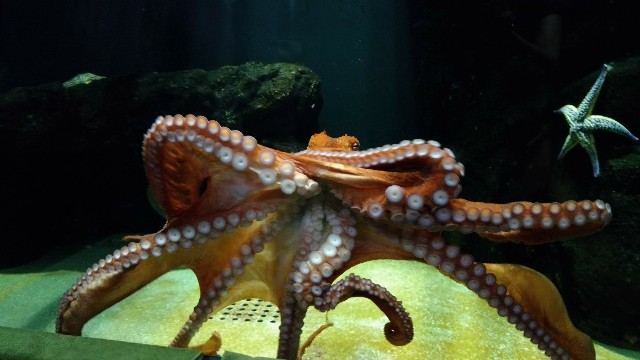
256, 222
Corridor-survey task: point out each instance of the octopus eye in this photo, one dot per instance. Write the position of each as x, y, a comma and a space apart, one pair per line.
355, 146
203, 186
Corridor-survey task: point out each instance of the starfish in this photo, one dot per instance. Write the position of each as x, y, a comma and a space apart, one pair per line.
582, 123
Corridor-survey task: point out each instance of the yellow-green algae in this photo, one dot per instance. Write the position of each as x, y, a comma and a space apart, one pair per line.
450, 322
80, 79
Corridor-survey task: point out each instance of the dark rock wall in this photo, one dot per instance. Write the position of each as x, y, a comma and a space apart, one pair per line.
72, 164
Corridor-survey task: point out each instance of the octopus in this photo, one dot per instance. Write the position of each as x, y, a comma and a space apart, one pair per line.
255, 222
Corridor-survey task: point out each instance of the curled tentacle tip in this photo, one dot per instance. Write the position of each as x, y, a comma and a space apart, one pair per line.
397, 336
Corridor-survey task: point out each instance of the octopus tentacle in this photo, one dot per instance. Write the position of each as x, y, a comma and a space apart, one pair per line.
362, 181
214, 286
197, 166
139, 263
128, 265
422, 191
542, 319
329, 247
325, 243
291, 328
324, 250
295, 304
399, 329
531, 223
526, 298
540, 323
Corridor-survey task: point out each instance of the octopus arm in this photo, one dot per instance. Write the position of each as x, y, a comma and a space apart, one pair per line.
110, 280
184, 181
266, 275
525, 297
532, 223
130, 268
399, 329
372, 243
256, 267
543, 302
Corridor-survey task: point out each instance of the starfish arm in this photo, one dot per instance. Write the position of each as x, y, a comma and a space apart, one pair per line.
593, 155
589, 144
570, 114
599, 122
586, 106
569, 143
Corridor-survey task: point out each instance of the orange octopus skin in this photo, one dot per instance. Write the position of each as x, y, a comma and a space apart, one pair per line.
256, 222
322, 141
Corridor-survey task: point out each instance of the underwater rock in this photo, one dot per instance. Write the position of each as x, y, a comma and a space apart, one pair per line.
74, 170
